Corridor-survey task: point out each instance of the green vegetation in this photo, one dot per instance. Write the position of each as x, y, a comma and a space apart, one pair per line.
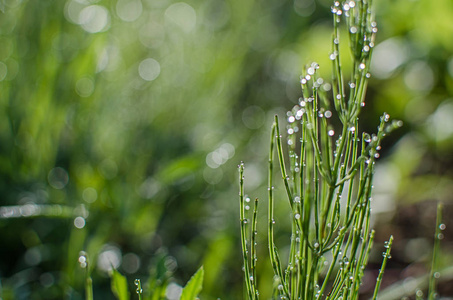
331, 238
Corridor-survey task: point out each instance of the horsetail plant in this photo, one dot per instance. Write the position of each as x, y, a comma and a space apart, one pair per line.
327, 177
438, 236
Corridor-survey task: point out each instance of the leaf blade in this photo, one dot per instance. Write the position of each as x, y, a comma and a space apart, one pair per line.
119, 285
193, 286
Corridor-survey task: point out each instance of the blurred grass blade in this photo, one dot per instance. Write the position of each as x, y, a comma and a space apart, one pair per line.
89, 288
193, 286
119, 285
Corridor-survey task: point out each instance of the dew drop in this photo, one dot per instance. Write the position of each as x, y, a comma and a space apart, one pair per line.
79, 222
362, 66
139, 290
299, 113
442, 226
328, 114
353, 29
297, 216
331, 132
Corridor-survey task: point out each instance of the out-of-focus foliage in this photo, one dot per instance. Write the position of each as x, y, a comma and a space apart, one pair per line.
122, 123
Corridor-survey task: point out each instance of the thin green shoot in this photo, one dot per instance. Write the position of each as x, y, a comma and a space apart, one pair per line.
139, 289
85, 264
386, 254
438, 236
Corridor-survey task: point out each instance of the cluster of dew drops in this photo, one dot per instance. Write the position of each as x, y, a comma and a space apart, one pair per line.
296, 115
138, 284
337, 10
83, 259
298, 111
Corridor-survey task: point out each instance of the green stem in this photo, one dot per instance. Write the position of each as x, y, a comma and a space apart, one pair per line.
271, 221
243, 223
384, 263
434, 264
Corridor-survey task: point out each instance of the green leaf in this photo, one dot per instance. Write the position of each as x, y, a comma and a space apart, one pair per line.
193, 287
119, 285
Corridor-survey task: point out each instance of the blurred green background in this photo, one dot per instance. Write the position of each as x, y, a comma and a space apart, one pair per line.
122, 124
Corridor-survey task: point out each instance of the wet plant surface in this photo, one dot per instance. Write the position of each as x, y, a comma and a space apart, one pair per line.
122, 123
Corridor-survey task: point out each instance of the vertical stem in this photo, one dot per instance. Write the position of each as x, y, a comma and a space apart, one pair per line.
139, 290
384, 263
271, 221
434, 264
253, 249
282, 162
243, 223
88, 288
